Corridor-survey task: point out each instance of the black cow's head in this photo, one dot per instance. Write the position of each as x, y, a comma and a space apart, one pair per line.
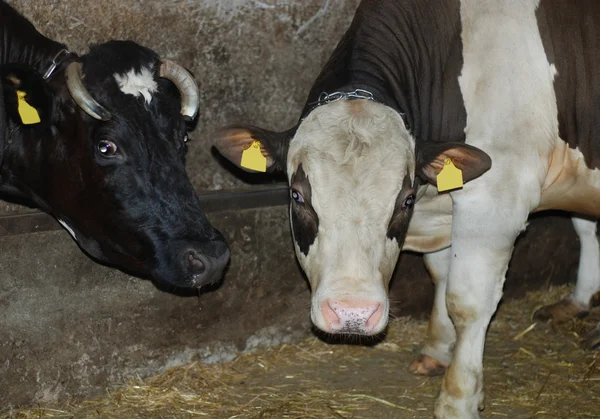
107, 160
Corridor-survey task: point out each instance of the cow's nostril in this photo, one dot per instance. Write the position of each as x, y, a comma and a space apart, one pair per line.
351, 316
197, 266
332, 320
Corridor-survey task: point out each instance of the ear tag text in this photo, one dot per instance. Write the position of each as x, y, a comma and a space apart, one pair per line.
253, 159
29, 115
450, 177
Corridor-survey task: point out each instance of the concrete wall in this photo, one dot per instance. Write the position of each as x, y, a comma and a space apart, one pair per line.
71, 328
254, 60
68, 326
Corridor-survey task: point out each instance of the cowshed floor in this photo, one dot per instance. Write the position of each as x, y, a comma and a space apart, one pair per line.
531, 371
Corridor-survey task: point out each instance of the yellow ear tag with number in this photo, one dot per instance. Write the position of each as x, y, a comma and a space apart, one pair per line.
29, 115
253, 159
450, 177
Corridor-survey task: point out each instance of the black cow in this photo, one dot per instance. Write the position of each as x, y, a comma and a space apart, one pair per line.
98, 141
416, 91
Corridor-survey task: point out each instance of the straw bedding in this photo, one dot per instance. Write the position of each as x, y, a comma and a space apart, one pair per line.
532, 370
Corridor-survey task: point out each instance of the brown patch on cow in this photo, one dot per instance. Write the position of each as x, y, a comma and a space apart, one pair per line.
451, 384
427, 366
356, 108
570, 185
460, 315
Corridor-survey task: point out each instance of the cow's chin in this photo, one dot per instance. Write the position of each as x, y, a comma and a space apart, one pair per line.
346, 314
191, 267
114, 258
106, 254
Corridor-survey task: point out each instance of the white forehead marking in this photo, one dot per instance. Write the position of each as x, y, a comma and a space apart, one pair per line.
142, 83
69, 229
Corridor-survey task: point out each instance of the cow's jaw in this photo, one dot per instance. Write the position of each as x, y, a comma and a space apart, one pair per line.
353, 158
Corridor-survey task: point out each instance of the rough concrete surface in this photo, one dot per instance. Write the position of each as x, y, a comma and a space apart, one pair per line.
254, 60
72, 328
69, 326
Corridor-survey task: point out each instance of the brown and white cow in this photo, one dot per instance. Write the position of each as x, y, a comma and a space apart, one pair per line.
411, 84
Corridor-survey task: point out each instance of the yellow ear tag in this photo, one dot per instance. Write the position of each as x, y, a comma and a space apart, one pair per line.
253, 159
29, 115
450, 177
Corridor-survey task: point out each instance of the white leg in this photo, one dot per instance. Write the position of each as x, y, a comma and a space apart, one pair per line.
440, 334
511, 115
588, 275
437, 350
482, 242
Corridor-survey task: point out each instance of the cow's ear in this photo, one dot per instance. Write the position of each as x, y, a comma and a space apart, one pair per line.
472, 161
254, 149
27, 98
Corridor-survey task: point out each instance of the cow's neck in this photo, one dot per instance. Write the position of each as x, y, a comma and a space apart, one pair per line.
22, 175
409, 57
21, 43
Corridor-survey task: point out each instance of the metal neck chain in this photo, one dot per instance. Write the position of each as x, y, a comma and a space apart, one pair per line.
325, 98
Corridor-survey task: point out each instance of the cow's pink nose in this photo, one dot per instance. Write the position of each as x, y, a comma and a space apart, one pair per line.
358, 317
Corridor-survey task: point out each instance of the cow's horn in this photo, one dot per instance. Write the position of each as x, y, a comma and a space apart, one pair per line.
81, 96
185, 82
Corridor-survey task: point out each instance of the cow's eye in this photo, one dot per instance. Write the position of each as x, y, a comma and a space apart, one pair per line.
107, 148
186, 138
297, 197
408, 202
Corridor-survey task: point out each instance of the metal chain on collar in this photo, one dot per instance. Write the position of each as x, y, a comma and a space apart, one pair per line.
325, 98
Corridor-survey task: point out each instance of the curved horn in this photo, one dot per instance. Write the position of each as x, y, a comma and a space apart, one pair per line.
185, 82
81, 96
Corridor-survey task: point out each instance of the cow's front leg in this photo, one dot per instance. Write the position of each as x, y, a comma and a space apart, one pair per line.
588, 277
483, 236
437, 350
